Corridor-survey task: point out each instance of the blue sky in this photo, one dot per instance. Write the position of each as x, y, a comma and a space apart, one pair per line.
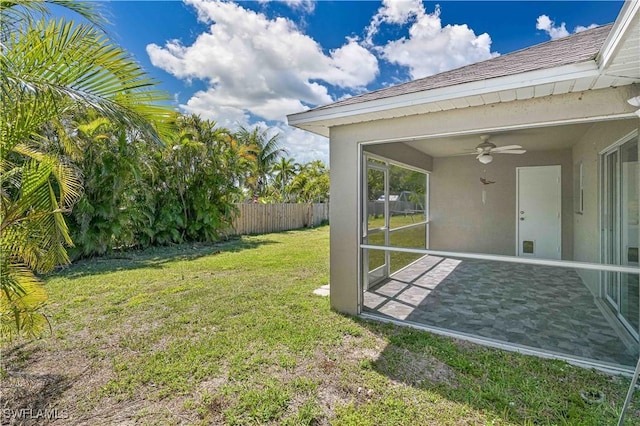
254, 62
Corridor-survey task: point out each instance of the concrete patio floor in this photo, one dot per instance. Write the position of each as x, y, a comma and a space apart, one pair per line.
535, 306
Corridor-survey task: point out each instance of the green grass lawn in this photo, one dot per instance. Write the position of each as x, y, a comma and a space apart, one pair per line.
408, 238
232, 334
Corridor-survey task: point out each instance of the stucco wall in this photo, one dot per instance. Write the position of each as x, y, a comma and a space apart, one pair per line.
586, 225
549, 109
459, 220
343, 216
402, 153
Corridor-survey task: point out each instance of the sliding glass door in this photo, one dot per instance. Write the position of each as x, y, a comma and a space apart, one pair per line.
620, 231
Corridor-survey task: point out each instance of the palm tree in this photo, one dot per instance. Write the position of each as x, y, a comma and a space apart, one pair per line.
206, 165
311, 184
283, 171
266, 151
239, 160
48, 69
112, 161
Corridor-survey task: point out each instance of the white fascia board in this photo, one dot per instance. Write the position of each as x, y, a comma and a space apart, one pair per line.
610, 46
587, 69
320, 130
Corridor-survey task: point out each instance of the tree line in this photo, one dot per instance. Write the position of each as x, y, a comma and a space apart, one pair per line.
92, 158
139, 194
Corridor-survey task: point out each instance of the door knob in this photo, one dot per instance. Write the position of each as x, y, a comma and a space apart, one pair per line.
522, 218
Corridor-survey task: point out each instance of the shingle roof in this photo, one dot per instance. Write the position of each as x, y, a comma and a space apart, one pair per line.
580, 47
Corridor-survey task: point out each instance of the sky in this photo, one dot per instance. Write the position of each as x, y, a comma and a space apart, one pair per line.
248, 63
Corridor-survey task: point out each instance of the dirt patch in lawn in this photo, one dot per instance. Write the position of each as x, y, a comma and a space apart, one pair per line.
68, 385
46, 387
37, 383
415, 369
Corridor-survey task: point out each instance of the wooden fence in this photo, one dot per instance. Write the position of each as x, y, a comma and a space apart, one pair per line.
265, 218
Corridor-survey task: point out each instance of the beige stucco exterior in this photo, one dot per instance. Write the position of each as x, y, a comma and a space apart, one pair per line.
403, 154
586, 224
343, 216
601, 103
462, 223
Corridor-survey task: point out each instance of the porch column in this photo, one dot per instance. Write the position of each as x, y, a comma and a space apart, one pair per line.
343, 217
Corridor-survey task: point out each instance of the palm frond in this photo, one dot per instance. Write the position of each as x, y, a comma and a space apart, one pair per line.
66, 174
61, 62
32, 224
21, 297
17, 14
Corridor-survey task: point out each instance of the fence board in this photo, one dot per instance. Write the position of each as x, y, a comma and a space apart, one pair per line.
265, 218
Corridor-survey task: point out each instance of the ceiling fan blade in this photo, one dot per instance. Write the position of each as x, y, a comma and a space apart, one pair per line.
463, 153
506, 148
513, 151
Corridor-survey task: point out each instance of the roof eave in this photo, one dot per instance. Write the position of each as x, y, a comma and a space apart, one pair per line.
629, 11
310, 120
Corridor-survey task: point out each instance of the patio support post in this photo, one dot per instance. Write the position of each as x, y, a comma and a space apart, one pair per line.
343, 216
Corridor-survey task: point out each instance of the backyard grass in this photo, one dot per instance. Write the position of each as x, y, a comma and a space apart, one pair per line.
407, 238
232, 334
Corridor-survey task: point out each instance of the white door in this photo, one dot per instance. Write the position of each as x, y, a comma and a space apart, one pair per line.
539, 211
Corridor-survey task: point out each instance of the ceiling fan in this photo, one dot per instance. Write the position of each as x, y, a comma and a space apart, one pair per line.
485, 150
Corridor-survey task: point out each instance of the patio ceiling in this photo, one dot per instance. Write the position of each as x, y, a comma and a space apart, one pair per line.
534, 139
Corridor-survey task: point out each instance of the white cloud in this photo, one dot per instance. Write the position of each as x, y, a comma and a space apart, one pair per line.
303, 5
352, 64
430, 47
255, 65
394, 12
545, 24
581, 28
307, 6
206, 104
304, 146
554, 31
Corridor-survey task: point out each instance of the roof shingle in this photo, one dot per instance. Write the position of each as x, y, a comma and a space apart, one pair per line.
576, 48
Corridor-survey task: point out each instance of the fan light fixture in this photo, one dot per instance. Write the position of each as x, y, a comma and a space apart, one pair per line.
485, 151
485, 159
635, 102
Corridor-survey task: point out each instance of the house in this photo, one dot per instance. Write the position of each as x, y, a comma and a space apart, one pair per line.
527, 164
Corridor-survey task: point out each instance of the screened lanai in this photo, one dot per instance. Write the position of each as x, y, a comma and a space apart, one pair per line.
535, 251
